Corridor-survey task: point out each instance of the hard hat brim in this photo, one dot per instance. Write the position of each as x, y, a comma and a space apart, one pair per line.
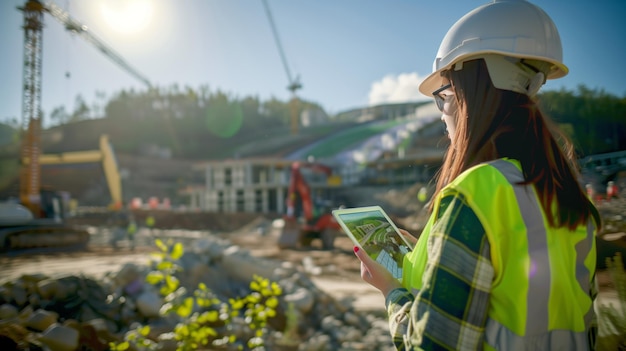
435, 80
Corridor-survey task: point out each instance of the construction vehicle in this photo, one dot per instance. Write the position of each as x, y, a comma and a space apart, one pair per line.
21, 227
37, 219
308, 215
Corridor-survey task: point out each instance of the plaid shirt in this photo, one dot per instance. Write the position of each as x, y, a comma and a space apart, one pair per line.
450, 311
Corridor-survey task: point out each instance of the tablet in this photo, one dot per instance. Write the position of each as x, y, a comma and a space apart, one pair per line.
371, 229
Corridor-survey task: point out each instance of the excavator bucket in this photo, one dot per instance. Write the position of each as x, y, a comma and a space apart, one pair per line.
289, 235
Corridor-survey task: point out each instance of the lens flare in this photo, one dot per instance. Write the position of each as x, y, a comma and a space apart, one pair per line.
224, 120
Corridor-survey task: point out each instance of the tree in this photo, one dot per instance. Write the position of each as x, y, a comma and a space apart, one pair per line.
81, 110
59, 116
596, 118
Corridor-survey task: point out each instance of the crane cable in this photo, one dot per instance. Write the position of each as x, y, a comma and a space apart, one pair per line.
293, 85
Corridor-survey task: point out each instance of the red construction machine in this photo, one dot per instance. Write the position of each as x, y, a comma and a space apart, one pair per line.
309, 214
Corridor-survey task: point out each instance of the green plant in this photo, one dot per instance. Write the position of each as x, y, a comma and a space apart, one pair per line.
138, 338
206, 321
612, 321
290, 335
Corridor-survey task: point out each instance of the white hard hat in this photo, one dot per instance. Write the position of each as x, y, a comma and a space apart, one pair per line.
503, 31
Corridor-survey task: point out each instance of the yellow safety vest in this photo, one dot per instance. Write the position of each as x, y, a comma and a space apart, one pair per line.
540, 294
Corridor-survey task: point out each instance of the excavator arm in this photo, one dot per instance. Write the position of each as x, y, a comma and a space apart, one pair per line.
104, 155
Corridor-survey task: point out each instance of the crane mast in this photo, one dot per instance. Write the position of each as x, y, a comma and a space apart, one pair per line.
31, 108
30, 172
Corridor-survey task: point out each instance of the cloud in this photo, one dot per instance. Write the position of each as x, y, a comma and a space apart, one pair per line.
395, 89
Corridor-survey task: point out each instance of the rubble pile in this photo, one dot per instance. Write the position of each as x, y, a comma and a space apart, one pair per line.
78, 312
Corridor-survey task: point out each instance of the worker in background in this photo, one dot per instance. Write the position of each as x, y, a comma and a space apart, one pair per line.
507, 259
131, 232
150, 222
611, 191
118, 221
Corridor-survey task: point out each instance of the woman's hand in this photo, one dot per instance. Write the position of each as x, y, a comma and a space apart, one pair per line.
375, 274
408, 236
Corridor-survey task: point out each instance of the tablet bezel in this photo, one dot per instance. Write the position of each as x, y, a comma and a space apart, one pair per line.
337, 213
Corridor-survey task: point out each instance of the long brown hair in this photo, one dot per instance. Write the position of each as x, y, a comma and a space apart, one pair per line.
492, 123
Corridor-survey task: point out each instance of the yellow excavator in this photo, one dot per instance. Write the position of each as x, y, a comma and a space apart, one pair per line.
39, 222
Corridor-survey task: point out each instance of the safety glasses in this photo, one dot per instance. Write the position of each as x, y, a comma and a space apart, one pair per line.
441, 100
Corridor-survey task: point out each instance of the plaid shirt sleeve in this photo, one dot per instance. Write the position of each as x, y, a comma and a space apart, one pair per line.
450, 311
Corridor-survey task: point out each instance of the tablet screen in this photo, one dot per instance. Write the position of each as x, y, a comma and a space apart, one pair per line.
371, 229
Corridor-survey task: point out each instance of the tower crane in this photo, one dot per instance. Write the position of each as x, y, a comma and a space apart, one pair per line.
31, 109
294, 84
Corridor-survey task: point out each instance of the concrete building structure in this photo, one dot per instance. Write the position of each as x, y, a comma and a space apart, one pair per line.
258, 185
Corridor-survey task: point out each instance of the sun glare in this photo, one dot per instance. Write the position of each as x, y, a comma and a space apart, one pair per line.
127, 16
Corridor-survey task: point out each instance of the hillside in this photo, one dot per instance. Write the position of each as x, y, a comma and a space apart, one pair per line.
153, 169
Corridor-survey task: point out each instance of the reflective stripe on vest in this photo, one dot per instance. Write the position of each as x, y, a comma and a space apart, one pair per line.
538, 336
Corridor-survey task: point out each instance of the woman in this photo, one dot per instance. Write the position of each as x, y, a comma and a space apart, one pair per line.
507, 259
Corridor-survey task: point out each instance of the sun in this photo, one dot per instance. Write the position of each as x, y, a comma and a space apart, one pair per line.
127, 16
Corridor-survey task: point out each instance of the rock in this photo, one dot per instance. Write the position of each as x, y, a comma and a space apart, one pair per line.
98, 324
239, 265
167, 342
87, 313
40, 320
94, 335
134, 287
60, 338
318, 342
302, 299
66, 287
5, 294
128, 312
48, 288
349, 334
149, 303
160, 326
19, 295
201, 273
330, 324
381, 324
8, 311
25, 314
34, 300
310, 267
352, 319
33, 278
127, 274
211, 248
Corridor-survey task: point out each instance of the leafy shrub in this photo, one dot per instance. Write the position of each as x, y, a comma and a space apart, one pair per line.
206, 321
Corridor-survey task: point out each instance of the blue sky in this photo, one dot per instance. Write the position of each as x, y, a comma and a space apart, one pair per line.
348, 53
